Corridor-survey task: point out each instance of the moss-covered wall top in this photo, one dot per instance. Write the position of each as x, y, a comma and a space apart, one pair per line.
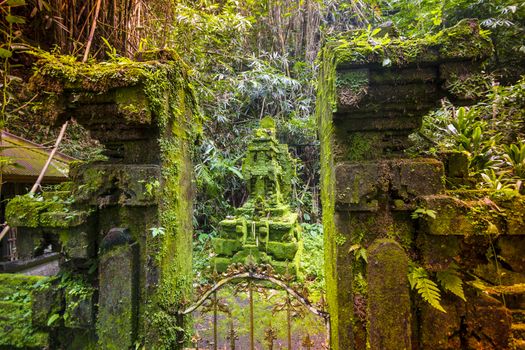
464, 41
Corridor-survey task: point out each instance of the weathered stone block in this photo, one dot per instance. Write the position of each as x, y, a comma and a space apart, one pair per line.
437, 252
376, 122
79, 311
439, 330
78, 242
117, 303
516, 221
388, 296
26, 241
416, 177
358, 185
63, 219
487, 322
451, 216
116, 184
45, 302
398, 76
282, 251
24, 211
498, 274
132, 105
511, 250
226, 247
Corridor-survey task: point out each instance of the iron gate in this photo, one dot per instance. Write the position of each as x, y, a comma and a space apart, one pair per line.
257, 279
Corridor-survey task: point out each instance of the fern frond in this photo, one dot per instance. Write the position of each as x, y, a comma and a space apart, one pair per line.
428, 289
450, 280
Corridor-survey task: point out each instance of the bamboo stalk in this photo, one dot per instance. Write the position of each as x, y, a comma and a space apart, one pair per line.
92, 31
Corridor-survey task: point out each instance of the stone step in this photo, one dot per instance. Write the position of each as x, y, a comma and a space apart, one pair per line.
514, 289
518, 316
513, 295
518, 331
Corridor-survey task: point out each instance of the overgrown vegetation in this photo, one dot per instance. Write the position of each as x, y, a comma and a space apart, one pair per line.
250, 59
489, 133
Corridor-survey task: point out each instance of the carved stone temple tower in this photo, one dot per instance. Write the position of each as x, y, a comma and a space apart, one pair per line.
264, 229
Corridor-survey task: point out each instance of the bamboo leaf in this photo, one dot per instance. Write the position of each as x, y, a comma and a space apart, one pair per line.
52, 319
15, 19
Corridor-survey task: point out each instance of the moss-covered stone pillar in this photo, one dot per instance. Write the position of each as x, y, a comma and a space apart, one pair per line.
130, 221
372, 93
388, 296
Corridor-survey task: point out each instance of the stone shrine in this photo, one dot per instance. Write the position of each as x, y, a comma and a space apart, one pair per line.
264, 229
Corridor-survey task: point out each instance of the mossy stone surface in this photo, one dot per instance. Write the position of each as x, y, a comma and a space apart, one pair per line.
16, 329
264, 229
466, 40
117, 318
389, 308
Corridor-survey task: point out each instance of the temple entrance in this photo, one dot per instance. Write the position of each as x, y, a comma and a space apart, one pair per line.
259, 293
253, 307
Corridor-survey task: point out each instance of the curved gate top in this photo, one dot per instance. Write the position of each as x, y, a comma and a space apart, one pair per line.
253, 274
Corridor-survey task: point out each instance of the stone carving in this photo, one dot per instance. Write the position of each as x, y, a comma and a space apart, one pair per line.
264, 229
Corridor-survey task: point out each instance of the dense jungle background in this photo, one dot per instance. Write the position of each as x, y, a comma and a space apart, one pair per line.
249, 59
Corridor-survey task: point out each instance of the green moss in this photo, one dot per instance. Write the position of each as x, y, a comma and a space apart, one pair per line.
362, 146
226, 247
282, 251
133, 105
171, 99
340, 239
463, 41
24, 211
388, 296
324, 109
15, 321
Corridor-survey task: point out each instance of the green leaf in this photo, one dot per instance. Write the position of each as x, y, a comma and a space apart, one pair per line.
14, 3
5, 53
354, 247
450, 280
156, 231
429, 292
428, 289
361, 254
15, 19
52, 319
431, 213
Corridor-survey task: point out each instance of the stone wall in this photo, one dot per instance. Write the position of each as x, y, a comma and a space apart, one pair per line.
373, 92
124, 224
